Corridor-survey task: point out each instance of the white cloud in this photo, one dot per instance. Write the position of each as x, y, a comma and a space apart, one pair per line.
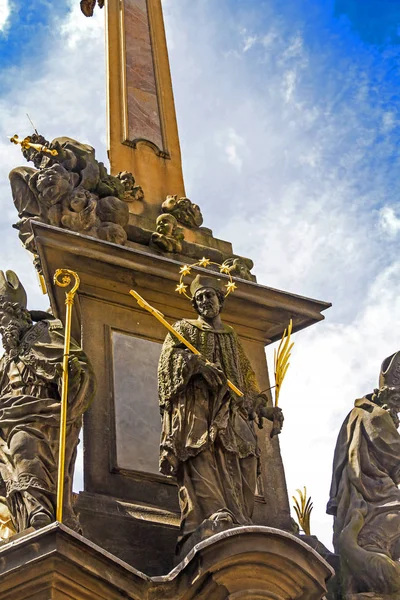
249, 42
232, 143
5, 12
389, 221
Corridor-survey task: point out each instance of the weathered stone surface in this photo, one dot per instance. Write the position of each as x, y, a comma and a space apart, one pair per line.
144, 121
141, 534
30, 398
365, 497
72, 190
57, 564
137, 424
104, 306
247, 562
184, 210
252, 563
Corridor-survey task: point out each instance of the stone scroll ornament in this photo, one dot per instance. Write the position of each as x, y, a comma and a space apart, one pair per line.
69, 188
209, 399
31, 375
365, 494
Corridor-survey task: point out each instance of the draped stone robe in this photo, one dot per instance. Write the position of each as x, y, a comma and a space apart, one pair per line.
207, 440
365, 500
30, 390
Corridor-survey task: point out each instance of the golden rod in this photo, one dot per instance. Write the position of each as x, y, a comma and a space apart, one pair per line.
26, 143
158, 315
66, 277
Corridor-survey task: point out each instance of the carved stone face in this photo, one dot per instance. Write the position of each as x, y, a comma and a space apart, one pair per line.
10, 330
53, 184
207, 303
393, 400
197, 216
165, 225
79, 200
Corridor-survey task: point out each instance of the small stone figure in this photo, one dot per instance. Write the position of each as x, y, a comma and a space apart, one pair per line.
240, 267
71, 190
208, 439
30, 388
132, 191
88, 6
364, 497
168, 236
184, 211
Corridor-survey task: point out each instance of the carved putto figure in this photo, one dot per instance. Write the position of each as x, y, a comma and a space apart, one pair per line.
365, 497
132, 191
30, 387
88, 6
240, 267
168, 236
208, 438
71, 189
184, 211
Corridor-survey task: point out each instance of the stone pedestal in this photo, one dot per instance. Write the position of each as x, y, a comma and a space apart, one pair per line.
250, 563
122, 427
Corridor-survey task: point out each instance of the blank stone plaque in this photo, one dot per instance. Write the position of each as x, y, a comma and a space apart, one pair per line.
137, 416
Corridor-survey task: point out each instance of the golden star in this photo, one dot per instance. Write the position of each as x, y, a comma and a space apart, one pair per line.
224, 270
185, 270
204, 262
231, 287
181, 288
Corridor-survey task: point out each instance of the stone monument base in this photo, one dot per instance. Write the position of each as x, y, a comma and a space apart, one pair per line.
254, 563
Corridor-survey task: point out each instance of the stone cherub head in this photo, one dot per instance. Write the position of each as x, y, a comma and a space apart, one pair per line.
184, 210
168, 235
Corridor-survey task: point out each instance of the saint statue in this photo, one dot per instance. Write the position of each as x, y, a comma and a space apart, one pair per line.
30, 389
208, 440
365, 497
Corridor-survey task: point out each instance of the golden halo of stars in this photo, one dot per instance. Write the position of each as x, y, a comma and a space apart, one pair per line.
204, 262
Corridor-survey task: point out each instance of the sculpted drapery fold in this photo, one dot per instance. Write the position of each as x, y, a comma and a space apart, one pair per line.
191, 417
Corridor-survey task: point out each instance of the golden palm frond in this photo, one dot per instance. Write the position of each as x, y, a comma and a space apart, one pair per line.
281, 359
303, 507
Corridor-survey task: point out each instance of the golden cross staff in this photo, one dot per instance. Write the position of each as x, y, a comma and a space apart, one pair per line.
158, 315
26, 144
63, 278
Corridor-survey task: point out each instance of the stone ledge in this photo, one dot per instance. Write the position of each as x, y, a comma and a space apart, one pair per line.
249, 562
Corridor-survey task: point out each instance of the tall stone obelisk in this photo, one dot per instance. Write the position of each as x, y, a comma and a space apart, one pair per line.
142, 128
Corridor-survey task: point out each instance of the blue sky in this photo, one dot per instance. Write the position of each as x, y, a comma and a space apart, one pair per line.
289, 121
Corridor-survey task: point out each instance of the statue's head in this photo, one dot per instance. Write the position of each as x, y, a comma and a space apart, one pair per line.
390, 371
166, 224
207, 296
14, 316
53, 184
11, 289
388, 394
32, 154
